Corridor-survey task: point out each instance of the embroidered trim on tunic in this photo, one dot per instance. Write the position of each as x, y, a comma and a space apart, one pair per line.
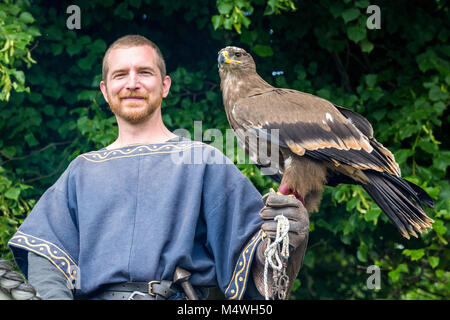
140, 150
238, 283
53, 253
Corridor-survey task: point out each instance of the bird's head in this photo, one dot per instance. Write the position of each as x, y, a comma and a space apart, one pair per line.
234, 59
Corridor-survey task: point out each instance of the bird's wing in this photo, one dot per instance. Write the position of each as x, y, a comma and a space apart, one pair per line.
358, 121
366, 128
309, 125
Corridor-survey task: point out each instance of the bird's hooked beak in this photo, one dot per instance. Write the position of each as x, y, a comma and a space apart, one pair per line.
224, 57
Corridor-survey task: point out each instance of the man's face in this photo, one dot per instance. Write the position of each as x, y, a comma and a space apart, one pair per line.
134, 89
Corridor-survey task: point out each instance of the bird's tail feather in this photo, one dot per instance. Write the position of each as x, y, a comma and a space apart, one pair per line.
401, 201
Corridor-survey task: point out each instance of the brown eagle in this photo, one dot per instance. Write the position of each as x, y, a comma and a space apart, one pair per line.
319, 144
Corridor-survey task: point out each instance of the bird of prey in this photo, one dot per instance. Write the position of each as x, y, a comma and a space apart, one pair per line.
319, 144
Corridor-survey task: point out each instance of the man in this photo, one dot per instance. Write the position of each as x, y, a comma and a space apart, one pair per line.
119, 221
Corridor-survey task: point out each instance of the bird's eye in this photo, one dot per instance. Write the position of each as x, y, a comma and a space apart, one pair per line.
237, 54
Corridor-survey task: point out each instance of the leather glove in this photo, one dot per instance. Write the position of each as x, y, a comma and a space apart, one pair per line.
274, 205
277, 204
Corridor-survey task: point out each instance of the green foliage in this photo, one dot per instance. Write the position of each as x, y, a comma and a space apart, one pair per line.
397, 76
235, 13
16, 34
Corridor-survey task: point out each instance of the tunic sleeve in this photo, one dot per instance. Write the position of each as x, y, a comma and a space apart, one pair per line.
46, 279
50, 231
233, 226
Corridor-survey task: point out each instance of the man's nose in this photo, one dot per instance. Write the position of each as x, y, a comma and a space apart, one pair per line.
133, 81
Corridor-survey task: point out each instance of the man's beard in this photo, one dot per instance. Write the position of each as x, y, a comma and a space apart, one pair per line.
134, 112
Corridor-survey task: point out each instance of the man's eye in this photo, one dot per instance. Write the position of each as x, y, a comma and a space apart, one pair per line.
119, 75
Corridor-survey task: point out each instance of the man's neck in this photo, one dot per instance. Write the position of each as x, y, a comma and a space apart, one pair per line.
151, 131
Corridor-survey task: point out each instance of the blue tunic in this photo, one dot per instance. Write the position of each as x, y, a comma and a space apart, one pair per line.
137, 212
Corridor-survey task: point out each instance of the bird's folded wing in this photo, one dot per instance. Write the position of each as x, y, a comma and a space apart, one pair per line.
312, 126
366, 128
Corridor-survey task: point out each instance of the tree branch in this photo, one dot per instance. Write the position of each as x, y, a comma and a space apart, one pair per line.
345, 81
53, 144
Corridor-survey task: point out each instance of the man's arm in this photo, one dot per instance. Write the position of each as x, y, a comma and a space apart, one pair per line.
48, 281
291, 208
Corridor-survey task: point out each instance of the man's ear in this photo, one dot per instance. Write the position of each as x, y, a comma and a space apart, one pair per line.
166, 86
103, 89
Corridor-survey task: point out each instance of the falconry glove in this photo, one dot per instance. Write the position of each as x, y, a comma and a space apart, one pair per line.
288, 206
277, 204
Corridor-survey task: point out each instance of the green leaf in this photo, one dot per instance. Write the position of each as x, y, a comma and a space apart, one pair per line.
263, 51
402, 155
246, 21
228, 23
442, 161
352, 203
296, 285
434, 261
362, 253
57, 48
19, 75
440, 273
324, 224
86, 62
437, 94
350, 14
362, 4
439, 107
216, 21
309, 259
371, 80
336, 8
84, 124
31, 140
414, 254
225, 7
12, 193
372, 214
408, 130
26, 17
356, 33
396, 273
438, 227
87, 95
366, 46
98, 46
74, 49
9, 151
324, 93
379, 114
427, 146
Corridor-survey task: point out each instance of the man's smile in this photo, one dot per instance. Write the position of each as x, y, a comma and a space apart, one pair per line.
133, 99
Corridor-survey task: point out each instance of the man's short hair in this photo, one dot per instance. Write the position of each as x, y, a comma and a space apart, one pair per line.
133, 40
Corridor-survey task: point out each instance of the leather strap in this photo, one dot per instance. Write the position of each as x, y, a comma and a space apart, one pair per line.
153, 290
163, 289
